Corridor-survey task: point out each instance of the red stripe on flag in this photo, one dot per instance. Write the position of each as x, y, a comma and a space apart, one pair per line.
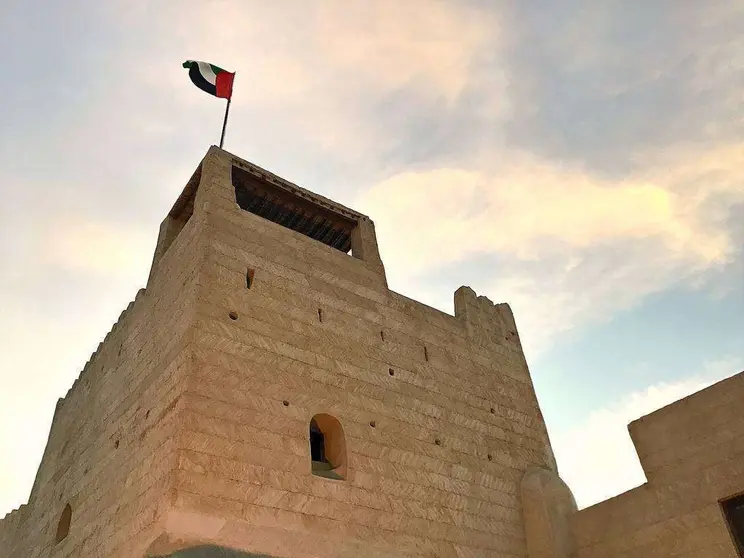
224, 84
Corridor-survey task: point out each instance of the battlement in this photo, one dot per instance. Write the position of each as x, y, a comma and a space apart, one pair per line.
10, 525
95, 355
490, 324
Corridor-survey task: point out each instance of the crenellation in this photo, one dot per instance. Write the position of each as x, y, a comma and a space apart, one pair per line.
485, 321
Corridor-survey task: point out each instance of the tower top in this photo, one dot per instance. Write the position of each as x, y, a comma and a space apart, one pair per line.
269, 196
231, 183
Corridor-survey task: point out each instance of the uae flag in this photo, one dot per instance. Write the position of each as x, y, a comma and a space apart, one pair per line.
210, 78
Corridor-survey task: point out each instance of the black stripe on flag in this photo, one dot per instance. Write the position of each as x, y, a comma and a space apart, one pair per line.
199, 80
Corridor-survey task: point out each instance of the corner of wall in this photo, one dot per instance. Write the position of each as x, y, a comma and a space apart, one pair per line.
635, 428
493, 326
216, 174
364, 246
485, 321
548, 507
185, 208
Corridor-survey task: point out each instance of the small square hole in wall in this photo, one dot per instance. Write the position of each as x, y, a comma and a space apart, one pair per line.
249, 278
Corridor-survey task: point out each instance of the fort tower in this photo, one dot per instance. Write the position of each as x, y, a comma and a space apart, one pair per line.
267, 393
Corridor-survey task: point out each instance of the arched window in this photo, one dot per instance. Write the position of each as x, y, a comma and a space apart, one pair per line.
63, 527
327, 447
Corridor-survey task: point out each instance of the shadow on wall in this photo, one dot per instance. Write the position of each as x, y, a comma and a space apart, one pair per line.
211, 551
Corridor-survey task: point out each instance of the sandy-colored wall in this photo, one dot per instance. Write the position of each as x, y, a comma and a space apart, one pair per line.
693, 454
211, 414
111, 451
244, 475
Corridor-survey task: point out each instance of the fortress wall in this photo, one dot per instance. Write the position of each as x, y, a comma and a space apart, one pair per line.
693, 453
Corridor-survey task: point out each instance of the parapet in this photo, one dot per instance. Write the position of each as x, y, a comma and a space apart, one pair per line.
96, 353
222, 176
9, 526
486, 322
692, 432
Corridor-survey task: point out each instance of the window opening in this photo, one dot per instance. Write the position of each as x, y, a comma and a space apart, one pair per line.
733, 509
317, 443
249, 278
327, 447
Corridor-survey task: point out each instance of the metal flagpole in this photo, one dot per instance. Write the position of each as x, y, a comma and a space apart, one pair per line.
227, 112
224, 124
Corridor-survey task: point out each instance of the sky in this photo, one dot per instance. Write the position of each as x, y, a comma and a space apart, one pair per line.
581, 160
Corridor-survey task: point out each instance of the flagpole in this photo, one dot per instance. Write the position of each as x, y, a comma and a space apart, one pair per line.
227, 112
224, 124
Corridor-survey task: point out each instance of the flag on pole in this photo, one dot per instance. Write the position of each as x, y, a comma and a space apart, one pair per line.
210, 78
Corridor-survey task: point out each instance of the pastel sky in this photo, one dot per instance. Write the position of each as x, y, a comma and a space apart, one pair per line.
582, 160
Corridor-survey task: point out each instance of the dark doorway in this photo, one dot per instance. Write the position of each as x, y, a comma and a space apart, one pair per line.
733, 509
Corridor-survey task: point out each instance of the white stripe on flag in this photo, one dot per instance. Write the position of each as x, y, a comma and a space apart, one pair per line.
207, 73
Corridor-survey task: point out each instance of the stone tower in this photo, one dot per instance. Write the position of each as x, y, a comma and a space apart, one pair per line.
268, 395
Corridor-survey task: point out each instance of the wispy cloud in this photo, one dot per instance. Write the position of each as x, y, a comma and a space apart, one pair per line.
573, 247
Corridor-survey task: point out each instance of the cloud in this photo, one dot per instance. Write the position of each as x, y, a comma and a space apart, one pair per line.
98, 248
608, 80
315, 68
597, 459
572, 247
